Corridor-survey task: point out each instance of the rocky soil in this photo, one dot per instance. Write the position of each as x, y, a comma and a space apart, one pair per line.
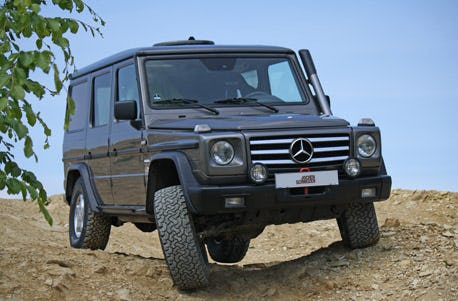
416, 259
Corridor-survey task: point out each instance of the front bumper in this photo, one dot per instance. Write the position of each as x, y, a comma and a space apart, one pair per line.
209, 200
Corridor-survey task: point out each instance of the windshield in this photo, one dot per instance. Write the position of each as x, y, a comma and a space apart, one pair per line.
222, 81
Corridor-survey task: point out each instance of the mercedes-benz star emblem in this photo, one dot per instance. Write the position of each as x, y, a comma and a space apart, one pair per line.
301, 150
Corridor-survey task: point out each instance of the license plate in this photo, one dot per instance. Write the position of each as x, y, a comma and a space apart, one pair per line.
306, 179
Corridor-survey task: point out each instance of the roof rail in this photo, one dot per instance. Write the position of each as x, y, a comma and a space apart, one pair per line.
190, 41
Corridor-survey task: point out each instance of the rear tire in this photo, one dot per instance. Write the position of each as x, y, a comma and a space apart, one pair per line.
358, 226
183, 251
227, 250
87, 229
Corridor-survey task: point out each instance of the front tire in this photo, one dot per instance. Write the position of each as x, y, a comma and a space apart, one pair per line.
87, 229
183, 251
358, 226
227, 250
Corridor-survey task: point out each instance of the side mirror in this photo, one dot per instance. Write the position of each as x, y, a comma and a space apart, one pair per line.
125, 110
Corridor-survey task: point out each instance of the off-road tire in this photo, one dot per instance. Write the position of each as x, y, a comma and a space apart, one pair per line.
227, 250
96, 227
183, 251
358, 226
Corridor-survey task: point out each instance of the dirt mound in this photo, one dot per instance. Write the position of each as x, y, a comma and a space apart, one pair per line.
416, 258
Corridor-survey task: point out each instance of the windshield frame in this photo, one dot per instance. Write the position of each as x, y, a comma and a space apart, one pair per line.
291, 58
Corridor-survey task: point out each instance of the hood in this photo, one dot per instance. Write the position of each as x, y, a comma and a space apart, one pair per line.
252, 122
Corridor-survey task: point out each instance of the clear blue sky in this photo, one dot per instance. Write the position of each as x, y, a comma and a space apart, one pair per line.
393, 61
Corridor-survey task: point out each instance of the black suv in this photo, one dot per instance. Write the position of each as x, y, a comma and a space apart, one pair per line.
208, 144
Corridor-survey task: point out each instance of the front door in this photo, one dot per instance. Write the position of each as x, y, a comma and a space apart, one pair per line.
127, 166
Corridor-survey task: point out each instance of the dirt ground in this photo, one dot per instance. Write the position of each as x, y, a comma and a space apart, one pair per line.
416, 259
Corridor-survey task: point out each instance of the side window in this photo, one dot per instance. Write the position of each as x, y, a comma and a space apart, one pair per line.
101, 99
280, 78
79, 118
127, 85
251, 78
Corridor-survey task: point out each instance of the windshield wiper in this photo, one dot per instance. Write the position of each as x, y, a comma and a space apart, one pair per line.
242, 100
178, 101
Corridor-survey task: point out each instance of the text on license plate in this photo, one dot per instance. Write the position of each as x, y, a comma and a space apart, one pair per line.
306, 179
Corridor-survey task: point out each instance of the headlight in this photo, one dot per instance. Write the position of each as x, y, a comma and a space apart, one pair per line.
366, 145
222, 152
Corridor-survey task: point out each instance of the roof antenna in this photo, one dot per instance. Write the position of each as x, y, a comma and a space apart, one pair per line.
191, 38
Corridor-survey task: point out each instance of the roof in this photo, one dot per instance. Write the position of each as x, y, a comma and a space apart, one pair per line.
177, 49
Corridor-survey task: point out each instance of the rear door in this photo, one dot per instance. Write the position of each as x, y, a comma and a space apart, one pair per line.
127, 166
97, 139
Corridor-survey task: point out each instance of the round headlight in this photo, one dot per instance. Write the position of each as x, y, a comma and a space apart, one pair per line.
222, 152
366, 145
352, 167
258, 173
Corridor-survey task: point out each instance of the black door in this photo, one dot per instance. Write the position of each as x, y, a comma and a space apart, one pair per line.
127, 166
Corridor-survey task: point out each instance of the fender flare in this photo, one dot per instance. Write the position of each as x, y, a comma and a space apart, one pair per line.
184, 173
88, 185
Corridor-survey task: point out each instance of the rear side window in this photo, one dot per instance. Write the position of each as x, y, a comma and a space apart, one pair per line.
79, 118
101, 99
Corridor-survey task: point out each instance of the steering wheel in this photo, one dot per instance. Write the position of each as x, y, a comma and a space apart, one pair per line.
257, 94
261, 95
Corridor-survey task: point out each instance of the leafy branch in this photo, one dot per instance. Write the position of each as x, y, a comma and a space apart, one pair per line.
20, 21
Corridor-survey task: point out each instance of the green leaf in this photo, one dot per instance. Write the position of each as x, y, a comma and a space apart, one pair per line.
40, 26
2, 183
3, 103
18, 92
29, 177
35, 88
20, 75
63, 42
26, 58
35, 8
43, 210
13, 185
16, 171
53, 24
47, 131
43, 60
57, 81
10, 166
73, 26
30, 114
28, 147
4, 78
66, 4
79, 5
24, 192
20, 129
27, 31
70, 110
39, 43
32, 192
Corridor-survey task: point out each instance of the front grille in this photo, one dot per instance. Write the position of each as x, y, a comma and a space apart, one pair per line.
330, 151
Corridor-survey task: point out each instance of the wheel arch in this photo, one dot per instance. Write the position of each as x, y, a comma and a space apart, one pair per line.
75, 172
169, 169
